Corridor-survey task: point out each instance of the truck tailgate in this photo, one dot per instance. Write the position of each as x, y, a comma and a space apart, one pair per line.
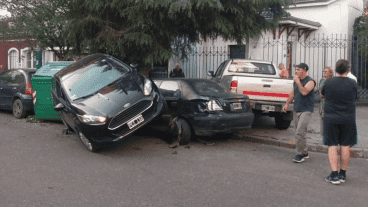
265, 89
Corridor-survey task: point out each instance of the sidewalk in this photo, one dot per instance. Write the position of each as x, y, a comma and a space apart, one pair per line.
285, 138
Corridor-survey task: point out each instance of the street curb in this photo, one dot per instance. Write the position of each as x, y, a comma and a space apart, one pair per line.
355, 152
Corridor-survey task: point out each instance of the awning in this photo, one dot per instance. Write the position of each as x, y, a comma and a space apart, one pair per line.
303, 26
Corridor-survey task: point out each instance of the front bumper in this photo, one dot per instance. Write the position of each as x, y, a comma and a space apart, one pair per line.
220, 122
101, 133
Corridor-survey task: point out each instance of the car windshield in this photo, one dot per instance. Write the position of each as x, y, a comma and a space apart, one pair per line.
206, 87
252, 67
93, 76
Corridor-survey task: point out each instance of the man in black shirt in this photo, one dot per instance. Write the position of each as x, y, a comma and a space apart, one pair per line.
339, 122
303, 93
177, 72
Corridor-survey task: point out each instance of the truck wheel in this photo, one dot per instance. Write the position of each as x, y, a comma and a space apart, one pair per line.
88, 143
281, 123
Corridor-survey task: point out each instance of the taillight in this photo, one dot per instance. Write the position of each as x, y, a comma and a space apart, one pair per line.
233, 85
29, 88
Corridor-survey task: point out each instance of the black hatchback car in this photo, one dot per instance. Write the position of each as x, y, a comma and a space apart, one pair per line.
103, 100
201, 107
16, 91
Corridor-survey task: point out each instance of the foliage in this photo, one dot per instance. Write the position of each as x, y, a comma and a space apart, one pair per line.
148, 31
40, 23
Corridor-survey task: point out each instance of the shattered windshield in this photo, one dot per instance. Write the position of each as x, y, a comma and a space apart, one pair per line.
93, 76
206, 87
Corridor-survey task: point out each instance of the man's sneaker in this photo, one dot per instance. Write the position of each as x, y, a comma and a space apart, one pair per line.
334, 179
300, 158
342, 177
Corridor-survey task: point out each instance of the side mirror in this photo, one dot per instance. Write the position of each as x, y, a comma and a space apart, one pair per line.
177, 93
134, 65
210, 73
59, 107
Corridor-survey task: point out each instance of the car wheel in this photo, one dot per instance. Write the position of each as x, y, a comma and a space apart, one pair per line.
18, 109
281, 123
88, 143
183, 132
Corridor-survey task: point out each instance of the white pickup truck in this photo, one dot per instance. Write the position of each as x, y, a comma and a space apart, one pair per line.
261, 81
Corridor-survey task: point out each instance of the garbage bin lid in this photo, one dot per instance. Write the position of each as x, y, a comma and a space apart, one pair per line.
50, 68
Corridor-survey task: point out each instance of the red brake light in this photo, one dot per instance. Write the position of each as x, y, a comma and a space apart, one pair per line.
234, 83
29, 88
234, 86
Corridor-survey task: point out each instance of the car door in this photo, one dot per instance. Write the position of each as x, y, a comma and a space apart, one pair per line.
8, 89
2, 83
220, 71
59, 96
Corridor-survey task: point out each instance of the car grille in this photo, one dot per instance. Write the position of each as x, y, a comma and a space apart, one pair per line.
129, 113
123, 130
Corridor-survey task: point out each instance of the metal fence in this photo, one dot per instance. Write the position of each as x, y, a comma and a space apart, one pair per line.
317, 52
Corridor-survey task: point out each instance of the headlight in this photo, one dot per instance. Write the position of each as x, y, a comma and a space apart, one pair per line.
91, 119
147, 87
213, 106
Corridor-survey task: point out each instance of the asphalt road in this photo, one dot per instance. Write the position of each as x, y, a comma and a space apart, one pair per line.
41, 167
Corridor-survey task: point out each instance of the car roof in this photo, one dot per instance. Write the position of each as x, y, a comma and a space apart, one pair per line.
251, 60
77, 65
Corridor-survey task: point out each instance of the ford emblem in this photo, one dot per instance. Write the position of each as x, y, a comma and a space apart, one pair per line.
127, 105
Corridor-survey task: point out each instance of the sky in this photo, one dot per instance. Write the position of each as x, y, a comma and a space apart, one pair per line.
4, 12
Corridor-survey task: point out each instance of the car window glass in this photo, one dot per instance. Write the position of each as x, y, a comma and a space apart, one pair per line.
18, 78
206, 87
5, 77
252, 67
157, 82
220, 69
168, 88
91, 78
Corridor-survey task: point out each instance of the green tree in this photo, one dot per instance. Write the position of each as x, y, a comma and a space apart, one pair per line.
148, 31
40, 23
145, 30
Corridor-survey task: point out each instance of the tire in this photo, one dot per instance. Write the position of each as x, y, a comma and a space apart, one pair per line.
88, 143
281, 124
18, 109
182, 131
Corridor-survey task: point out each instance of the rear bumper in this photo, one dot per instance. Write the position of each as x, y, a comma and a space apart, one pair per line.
27, 102
220, 122
257, 105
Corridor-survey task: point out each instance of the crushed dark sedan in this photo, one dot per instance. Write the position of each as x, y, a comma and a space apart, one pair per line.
201, 107
103, 100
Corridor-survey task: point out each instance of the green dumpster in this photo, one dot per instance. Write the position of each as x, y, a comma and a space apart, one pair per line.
41, 81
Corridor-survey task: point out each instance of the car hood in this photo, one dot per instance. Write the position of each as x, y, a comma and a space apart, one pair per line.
112, 99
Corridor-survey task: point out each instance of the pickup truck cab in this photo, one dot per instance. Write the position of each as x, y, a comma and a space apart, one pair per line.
261, 81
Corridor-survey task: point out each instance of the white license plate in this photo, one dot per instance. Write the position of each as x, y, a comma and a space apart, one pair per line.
268, 108
237, 106
135, 121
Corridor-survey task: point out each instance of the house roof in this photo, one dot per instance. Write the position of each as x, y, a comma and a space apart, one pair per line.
299, 22
309, 3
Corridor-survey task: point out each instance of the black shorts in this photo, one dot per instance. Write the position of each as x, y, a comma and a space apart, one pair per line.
339, 134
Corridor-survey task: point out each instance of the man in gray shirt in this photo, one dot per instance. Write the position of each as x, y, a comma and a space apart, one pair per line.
303, 93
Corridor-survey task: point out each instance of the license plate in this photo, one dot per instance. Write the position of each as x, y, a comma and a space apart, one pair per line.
135, 121
237, 106
268, 108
